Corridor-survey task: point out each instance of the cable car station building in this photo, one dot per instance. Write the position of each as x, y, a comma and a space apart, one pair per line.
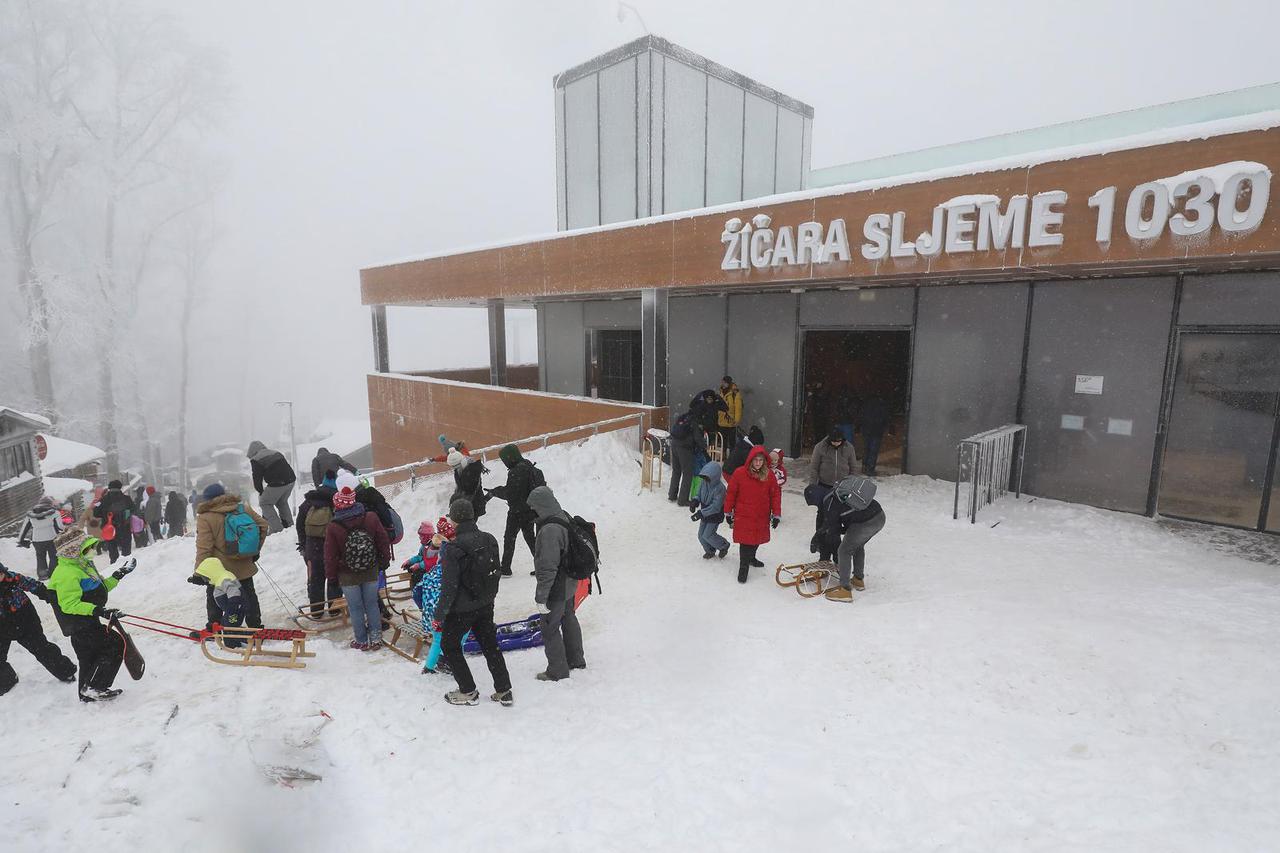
1111, 283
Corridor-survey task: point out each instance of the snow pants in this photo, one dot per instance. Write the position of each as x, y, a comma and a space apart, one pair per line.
248, 597
319, 590
23, 626
852, 553
480, 623
122, 545
518, 521
100, 655
682, 474
562, 637
710, 539
274, 502
46, 558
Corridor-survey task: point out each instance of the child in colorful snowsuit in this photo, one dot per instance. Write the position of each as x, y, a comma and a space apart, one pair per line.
708, 510
424, 567
19, 622
227, 595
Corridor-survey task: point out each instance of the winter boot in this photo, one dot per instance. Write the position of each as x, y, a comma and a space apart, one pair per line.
458, 697
839, 593
546, 676
707, 555
743, 568
504, 698
756, 564
97, 694
858, 584
722, 552
577, 666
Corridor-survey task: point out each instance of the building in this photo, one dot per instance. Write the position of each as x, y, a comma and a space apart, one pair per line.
20, 481
1110, 283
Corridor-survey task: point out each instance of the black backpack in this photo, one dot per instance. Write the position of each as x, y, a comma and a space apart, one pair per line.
581, 559
537, 477
359, 551
481, 570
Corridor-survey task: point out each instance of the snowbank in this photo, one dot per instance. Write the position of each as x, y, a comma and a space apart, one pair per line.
62, 489
1071, 679
65, 454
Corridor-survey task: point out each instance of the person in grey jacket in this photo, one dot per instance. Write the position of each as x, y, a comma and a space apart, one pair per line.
41, 526
327, 460
833, 459
561, 634
273, 479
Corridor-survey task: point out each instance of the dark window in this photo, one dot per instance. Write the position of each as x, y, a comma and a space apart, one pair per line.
620, 364
16, 459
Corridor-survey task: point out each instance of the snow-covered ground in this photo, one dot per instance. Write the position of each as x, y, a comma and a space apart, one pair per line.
1072, 679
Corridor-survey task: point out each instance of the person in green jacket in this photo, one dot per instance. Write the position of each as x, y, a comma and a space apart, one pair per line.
81, 605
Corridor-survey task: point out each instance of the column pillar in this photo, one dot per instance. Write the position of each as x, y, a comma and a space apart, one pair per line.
381, 353
497, 342
653, 335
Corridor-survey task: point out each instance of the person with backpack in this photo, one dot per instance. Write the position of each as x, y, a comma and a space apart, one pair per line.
375, 502
115, 512
522, 478
687, 440
314, 515
273, 480
466, 479
738, 457
469, 574
356, 550
80, 605
20, 623
325, 462
175, 515
852, 516
561, 634
41, 526
708, 510
752, 507
228, 528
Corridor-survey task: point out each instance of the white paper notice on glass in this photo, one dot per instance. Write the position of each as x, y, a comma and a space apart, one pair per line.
1120, 426
1073, 421
1088, 384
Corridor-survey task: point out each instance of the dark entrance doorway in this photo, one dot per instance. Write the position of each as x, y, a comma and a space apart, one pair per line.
1220, 456
859, 379
614, 372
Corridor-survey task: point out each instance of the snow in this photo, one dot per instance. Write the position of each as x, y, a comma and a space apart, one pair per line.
974, 199
1185, 133
227, 451
342, 437
65, 454
41, 419
62, 489
1071, 679
13, 481
1217, 174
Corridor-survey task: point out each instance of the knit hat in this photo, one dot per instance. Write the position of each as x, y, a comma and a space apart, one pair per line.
455, 459
510, 455
151, 490
73, 543
835, 435
445, 528
425, 532
345, 498
115, 484
461, 510
346, 480
213, 490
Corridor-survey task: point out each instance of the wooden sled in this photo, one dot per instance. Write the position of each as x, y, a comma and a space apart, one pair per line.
331, 616
252, 653
810, 580
409, 632
715, 448
399, 587
651, 461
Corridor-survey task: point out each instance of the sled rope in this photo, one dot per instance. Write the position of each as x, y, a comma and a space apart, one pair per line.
286, 601
128, 620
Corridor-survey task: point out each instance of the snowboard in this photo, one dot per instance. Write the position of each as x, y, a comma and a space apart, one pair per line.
132, 657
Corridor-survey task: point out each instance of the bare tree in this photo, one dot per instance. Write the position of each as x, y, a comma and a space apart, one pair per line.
41, 71
199, 236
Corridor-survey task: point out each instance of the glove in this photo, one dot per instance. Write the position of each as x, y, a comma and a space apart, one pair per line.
695, 516
43, 593
108, 613
299, 547
130, 565
773, 521
198, 580
24, 544
729, 520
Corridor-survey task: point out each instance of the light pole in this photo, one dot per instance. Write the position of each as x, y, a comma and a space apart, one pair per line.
293, 446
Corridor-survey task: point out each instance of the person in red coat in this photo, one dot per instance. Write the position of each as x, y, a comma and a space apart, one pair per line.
752, 506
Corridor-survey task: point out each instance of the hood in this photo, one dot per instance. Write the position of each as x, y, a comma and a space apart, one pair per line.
255, 447
756, 436
41, 510
510, 455
222, 504
711, 471
543, 501
758, 450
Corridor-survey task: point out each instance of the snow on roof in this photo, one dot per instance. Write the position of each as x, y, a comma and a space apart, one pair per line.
62, 489
40, 419
65, 454
227, 451
338, 435
1185, 133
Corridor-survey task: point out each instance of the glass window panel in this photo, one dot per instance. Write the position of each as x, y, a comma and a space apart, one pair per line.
790, 151
618, 142
582, 155
724, 142
1220, 430
685, 132
761, 145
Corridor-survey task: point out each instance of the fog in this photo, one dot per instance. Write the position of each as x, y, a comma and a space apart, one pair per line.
352, 134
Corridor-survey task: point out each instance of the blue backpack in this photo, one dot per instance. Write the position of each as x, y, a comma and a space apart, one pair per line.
242, 534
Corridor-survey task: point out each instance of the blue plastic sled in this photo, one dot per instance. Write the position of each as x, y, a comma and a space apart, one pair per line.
512, 636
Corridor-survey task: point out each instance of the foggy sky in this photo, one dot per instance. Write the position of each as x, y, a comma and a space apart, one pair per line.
364, 132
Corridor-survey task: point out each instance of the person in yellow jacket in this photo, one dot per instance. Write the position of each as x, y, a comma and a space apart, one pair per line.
731, 417
81, 606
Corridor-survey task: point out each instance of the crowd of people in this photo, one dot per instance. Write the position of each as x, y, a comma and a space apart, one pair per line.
750, 502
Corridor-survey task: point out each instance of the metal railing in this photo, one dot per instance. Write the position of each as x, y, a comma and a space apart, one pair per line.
542, 441
986, 462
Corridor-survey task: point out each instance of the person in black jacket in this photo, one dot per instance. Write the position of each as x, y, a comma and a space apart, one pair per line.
466, 479
705, 408
314, 516
327, 460
20, 622
273, 480
118, 508
738, 458
844, 536
522, 477
687, 440
175, 515
467, 591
